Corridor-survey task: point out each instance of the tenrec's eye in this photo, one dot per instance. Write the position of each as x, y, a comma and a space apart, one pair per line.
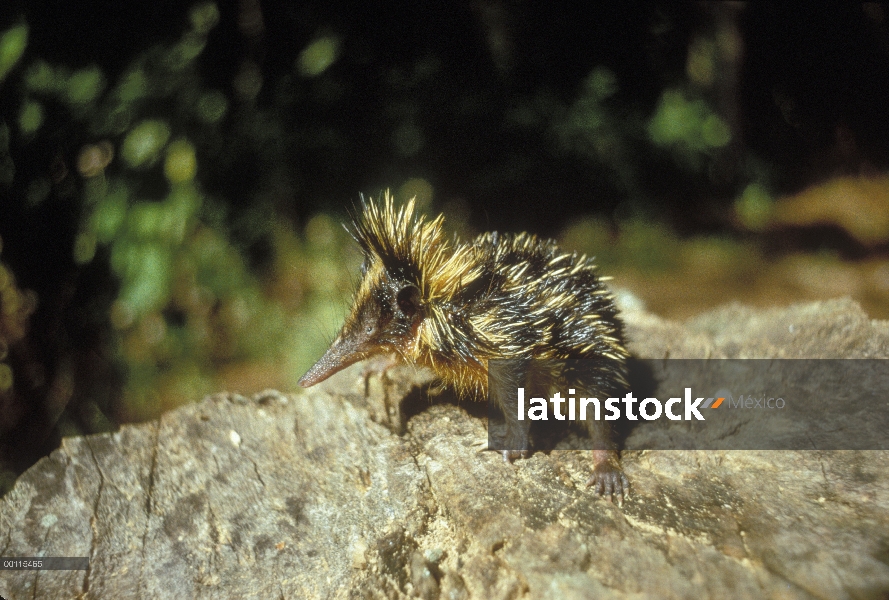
408, 299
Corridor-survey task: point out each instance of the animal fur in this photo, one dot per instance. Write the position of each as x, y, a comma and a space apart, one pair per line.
453, 307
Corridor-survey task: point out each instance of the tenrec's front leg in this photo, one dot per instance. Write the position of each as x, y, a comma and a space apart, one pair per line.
608, 478
506, 377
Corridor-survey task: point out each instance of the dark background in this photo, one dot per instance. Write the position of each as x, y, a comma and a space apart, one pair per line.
829, 61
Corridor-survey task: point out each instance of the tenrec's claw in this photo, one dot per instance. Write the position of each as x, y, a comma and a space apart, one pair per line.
511, 455
609, 481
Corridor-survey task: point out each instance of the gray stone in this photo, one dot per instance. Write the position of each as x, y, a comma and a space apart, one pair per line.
366, 487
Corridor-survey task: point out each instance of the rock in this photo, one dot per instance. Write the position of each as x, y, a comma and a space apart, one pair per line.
364, 487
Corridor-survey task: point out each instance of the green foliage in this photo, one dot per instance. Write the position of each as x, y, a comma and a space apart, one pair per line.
211, 107
13, 42
144, 143
618, 142
30, 117
85, 85
621, 139
754, 207
41, 78
180, 165
204, 17
589, 126
188, 305
318, 55
688, 126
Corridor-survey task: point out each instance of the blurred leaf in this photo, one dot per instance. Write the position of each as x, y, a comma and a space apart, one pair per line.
150, 289
754, 207
181, 163
144, 142
133, 86
12, 46
212, 106
688, 126
30, 117
204, 17
602, 83
41, 77
318, 55
186, 50
85, 85
715, 132
109, 214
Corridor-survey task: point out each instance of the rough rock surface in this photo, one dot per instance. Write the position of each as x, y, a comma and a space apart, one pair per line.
363, 487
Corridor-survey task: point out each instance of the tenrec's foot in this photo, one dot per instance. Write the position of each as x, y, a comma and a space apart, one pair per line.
608, 478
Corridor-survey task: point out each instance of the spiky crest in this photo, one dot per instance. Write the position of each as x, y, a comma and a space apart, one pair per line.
412, 248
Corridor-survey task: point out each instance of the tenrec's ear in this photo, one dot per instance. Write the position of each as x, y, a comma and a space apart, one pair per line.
408, 299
